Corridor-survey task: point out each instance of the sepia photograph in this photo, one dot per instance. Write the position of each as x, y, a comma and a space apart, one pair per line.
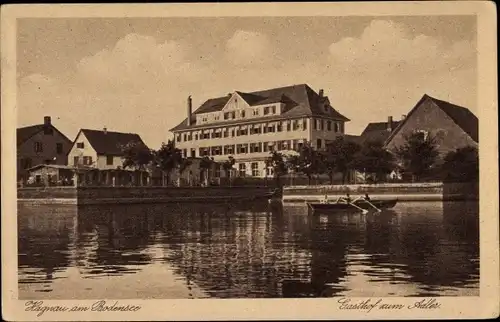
228, 156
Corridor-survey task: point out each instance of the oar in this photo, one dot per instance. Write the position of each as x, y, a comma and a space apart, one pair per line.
364, 211
378, 210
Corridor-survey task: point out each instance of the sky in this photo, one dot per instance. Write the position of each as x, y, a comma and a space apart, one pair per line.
135, 74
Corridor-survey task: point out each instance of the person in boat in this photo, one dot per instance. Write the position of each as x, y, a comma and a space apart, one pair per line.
367, 198
348, 198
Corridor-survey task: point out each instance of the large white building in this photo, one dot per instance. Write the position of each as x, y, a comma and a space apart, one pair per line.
248, 126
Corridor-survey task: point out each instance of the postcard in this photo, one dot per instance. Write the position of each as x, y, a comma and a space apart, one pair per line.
224, 161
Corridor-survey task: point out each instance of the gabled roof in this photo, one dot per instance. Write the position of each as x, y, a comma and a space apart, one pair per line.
25, 133
299, 100
110, 143
462, 116
377, 131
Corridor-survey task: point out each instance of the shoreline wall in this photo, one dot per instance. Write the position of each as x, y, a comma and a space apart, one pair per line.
402, 191
133, 195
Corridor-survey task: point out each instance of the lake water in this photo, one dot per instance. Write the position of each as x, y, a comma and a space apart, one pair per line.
246, 251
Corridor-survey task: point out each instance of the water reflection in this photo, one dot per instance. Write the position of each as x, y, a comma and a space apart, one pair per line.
258, 250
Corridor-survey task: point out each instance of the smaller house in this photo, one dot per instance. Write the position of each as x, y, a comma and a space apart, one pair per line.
40, 144
103, 151
451, 126
379, 131
51, 174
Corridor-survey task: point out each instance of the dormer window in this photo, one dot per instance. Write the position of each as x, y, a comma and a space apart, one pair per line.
242, 114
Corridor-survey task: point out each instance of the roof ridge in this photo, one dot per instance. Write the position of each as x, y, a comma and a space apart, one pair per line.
108, 131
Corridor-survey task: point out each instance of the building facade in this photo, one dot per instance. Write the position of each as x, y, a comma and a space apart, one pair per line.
249, 126
40, 144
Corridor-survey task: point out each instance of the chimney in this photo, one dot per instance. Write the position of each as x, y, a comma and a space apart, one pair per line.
389, 123
46, 120
321, 93
105, 130
189, 110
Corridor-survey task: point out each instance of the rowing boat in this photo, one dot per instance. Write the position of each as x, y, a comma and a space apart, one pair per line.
356, 205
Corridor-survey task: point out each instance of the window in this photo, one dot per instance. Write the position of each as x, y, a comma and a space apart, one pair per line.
216, 117
242, 114
273, 109
203, 151
266, 110
59, 148
229, 149
255, 169
288, 126
232, 132
270, 128
233, 115
279, 127
75, 161
304, 124
87, 160
318, 143
206, 136
242, 132
315, 125
255, 112
321, 125
329, 125
217, 170
38, 146
295, 125
178, 138
256, 129
193, 153
421, 135
196, 136
109, 160
242, 169
226, 116
269, 171
204, 119
336, 127
225, 133
217, 150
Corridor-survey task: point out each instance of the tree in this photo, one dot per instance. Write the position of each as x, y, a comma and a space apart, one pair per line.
205, 165
228, 166
308, 161
167, 158
461, 165
340, 157
417, 155
277, 162
136, 155
374, 160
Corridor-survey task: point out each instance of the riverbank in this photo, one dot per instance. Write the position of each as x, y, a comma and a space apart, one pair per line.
138, 195
438, 191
